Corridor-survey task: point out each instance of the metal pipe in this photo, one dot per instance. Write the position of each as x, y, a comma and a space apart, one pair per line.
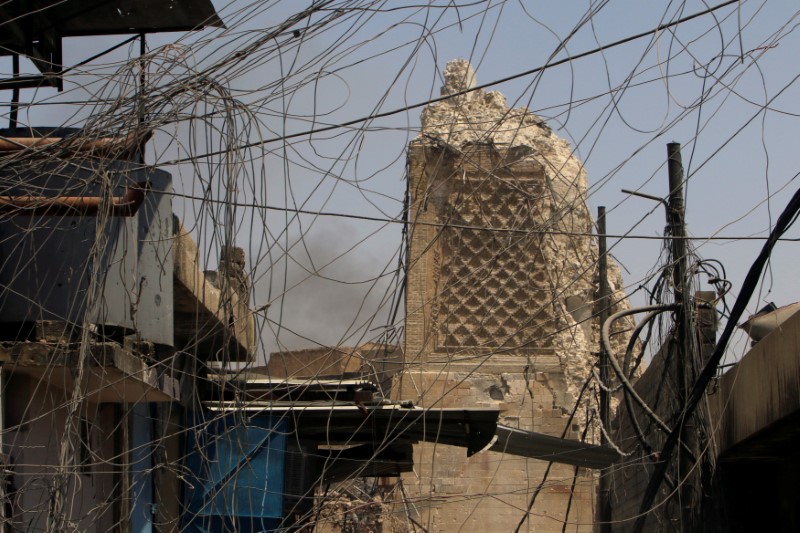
75, 144
605, 334
28, 82
684, 362
648, 196
604, 490
121, 206
626, 363
604, 306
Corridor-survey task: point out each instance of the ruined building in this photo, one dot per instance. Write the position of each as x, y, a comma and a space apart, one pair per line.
500, 308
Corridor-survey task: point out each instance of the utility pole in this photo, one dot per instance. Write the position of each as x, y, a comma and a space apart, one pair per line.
604, 490
682, 362
675, 219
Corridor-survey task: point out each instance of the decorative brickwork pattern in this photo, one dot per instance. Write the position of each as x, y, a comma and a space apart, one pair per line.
491, 282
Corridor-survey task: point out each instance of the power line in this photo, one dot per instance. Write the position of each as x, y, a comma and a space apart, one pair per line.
400, 220
417, 105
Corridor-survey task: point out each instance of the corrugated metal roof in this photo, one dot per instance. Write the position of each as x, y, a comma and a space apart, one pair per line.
300, 406
473, 428
553, 449
252, 380
36, 19
332, 422
34, 28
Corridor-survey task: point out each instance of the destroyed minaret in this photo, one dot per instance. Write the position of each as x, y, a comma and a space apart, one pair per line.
501, 290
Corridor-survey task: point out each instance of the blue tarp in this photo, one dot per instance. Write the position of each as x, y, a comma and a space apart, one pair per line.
236, 467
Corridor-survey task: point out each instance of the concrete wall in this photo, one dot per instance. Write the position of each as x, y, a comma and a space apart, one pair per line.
36, 417
102, 494
763, 389
756, 408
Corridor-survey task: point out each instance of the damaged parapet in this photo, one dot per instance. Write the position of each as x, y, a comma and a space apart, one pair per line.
502, 287
231, 273
212, 316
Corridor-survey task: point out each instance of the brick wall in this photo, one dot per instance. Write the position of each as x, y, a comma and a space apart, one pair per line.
629, 478
519, 366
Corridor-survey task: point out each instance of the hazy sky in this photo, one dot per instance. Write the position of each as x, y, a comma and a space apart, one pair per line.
618, 109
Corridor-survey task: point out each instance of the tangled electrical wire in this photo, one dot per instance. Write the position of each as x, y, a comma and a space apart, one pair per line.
276, 157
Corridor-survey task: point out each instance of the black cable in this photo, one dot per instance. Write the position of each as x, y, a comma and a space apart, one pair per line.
512, 77
785, 221
14, 111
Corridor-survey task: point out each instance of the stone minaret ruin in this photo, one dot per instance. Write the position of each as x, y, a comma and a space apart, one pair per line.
501, 288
